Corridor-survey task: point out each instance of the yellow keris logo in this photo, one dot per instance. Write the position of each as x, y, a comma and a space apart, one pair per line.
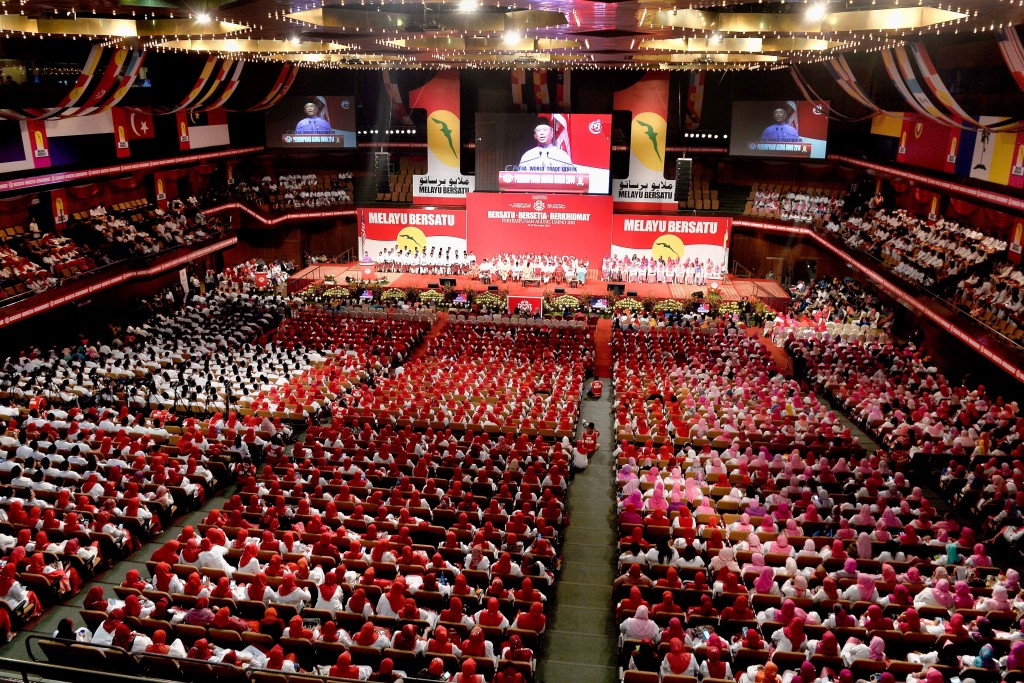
647, 140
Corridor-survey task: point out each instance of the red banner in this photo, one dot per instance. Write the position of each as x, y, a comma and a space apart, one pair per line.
703, 238
182, 130
410, 229
1016, 240
40, 144
560, 225
928, 144
526, 305
160, 185
120, 120
59, 204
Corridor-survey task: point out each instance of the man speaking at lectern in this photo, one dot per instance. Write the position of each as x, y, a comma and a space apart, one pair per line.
546, 156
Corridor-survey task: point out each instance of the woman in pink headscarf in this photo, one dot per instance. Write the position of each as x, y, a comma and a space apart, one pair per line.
781, 546
962, 598
999, 601
864, 517
639, 626
979, 558
657, 500
765, 584
864, 549
742, 524
864, 590
935, 596
753, 544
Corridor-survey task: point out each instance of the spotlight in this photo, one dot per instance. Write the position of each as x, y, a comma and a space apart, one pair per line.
467, 5
817, 11
512, 37
202, 18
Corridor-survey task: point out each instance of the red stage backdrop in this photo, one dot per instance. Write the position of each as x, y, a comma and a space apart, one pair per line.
561, 225
687, 237
416, 229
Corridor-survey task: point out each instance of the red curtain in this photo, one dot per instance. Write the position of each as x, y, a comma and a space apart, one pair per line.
998, 219
962, 208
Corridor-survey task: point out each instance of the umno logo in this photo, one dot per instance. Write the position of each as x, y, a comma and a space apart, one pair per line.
538, 205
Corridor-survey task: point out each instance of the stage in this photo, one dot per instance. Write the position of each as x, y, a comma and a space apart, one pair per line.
731, 288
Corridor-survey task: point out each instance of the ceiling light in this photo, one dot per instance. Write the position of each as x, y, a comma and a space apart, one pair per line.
467, 5
513, 37
715, 38
202, 18
817, 11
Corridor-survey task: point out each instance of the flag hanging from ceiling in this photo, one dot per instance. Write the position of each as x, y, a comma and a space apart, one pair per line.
695, 99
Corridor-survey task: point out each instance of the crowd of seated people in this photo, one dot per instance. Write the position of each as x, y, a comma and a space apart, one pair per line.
296, 190
644, 269
60, 254
897, 393
996, 298
802, 206
924, 252
242, 276
391, 540
98, 454
420, 260
524, 266
146, 232
763, 554
19, 274
829, 306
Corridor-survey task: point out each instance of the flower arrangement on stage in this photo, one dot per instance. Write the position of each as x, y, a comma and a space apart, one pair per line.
729, 308
492, 301
565, 302
320, 292
631, 305
393, 295
430, 296
670, 306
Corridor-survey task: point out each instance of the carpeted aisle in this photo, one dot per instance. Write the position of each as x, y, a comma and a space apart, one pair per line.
603, 352
581, 640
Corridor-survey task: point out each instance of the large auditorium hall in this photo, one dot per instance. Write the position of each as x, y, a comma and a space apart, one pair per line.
511, 341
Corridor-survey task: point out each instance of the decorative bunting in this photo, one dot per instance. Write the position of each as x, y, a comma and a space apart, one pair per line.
398, 110
695, 99
281, 92
563, 83
1013, 53
131, 72
897, 65
230, 89
200, 84
518, 83
844, 78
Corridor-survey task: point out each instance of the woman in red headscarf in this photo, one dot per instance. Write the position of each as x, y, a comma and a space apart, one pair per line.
297, 630
408, 639
344, 668
367, 636
440, 643
491, 615
477, 645
532, 620
678, 661
454, 614
468, 673
168, 552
